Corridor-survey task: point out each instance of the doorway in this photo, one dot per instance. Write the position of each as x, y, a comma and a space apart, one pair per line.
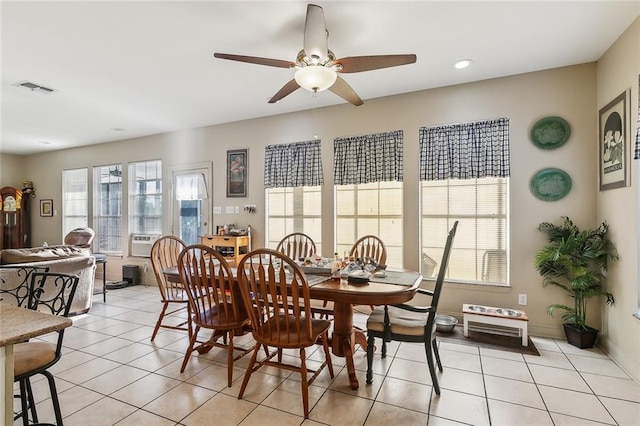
191, 195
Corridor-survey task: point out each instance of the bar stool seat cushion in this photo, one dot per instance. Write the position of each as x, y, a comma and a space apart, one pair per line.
31, 356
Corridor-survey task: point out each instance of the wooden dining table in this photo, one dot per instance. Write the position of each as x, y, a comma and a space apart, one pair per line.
396, 287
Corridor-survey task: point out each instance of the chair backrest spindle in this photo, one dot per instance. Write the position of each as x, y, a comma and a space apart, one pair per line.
370, 246
297, 245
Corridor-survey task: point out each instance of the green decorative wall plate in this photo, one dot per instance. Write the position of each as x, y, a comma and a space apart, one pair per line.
550, 132
550, 184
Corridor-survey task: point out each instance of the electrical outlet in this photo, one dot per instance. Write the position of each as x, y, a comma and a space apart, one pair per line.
522, 299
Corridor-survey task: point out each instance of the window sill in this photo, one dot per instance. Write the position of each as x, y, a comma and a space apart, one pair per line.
476, 286
637, 316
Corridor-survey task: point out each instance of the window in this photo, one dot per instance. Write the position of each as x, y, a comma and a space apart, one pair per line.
291, 210
107, 208
75, 199
293, 181
481, 246
370, 209
464, 169
367, 171
145, 189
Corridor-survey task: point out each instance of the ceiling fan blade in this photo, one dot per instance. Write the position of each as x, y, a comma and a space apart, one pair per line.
315, 34
287, 89
342, 89
256, 60
368, 63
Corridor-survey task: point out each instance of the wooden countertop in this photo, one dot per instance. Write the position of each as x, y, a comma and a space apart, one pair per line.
19, 324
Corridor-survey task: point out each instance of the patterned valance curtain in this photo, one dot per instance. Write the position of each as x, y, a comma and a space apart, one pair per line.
368, 158
465, 151
292, 165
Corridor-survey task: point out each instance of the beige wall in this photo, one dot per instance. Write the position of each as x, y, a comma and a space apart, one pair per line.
12, 170
568, 92
618, 70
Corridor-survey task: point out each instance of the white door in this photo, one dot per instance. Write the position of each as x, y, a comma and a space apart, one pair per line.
191, 199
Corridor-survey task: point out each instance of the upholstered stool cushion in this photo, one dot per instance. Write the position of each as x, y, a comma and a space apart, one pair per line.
31, 356
403, 322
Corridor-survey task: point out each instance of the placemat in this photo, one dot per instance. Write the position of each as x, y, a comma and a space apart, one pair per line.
397, 278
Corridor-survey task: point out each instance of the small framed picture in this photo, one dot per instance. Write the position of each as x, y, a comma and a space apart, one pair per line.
613, 144
46, 208
237, 173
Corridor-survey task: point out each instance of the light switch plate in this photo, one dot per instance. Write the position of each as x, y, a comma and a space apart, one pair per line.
228, 209
217, 210
236, 209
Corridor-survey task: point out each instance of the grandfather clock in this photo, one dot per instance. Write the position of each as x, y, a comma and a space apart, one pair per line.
14, 212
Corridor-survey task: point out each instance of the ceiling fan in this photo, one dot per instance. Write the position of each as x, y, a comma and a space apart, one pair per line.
317, 67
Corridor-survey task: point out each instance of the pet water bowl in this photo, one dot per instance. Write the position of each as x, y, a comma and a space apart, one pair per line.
445, 323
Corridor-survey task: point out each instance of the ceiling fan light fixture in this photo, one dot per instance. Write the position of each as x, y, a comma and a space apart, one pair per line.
315, 78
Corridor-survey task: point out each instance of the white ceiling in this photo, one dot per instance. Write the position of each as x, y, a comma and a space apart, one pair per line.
148, 67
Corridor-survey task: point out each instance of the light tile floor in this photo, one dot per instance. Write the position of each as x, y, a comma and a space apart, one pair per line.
111, 374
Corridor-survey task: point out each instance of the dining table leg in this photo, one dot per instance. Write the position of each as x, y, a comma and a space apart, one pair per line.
343, 342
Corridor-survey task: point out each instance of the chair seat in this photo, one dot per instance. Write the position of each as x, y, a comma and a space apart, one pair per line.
215, 318
403, 322
280, 332
32, 356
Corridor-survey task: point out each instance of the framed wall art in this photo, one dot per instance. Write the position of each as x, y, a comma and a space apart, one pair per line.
613, 144
46, 208
237, 165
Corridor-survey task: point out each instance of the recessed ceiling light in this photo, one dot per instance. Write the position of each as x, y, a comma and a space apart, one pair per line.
462, 63
44, 142
117, 129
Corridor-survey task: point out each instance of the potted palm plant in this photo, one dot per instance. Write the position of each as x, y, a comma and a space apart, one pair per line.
576, 261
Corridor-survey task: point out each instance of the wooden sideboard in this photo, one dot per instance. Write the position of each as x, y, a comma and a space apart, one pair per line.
231, 247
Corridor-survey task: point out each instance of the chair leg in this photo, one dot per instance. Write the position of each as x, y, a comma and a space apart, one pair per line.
249, 371
327, 354
23, 403
189, 321
370, 343
437, 354
187, 355
383, 351
432, 368
230, 359
32, 403
159, 322
54, 396
305, 383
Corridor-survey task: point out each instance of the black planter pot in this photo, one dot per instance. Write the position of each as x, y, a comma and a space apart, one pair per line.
579, 337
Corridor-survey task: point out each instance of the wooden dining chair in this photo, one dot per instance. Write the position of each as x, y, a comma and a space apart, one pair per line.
266, 278
216, 303
297, 245
370, 246
51, 293
410, 323
164, 254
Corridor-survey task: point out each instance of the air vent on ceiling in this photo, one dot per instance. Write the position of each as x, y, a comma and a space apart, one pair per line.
34, 87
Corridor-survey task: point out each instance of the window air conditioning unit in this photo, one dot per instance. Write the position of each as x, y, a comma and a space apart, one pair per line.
141, 244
